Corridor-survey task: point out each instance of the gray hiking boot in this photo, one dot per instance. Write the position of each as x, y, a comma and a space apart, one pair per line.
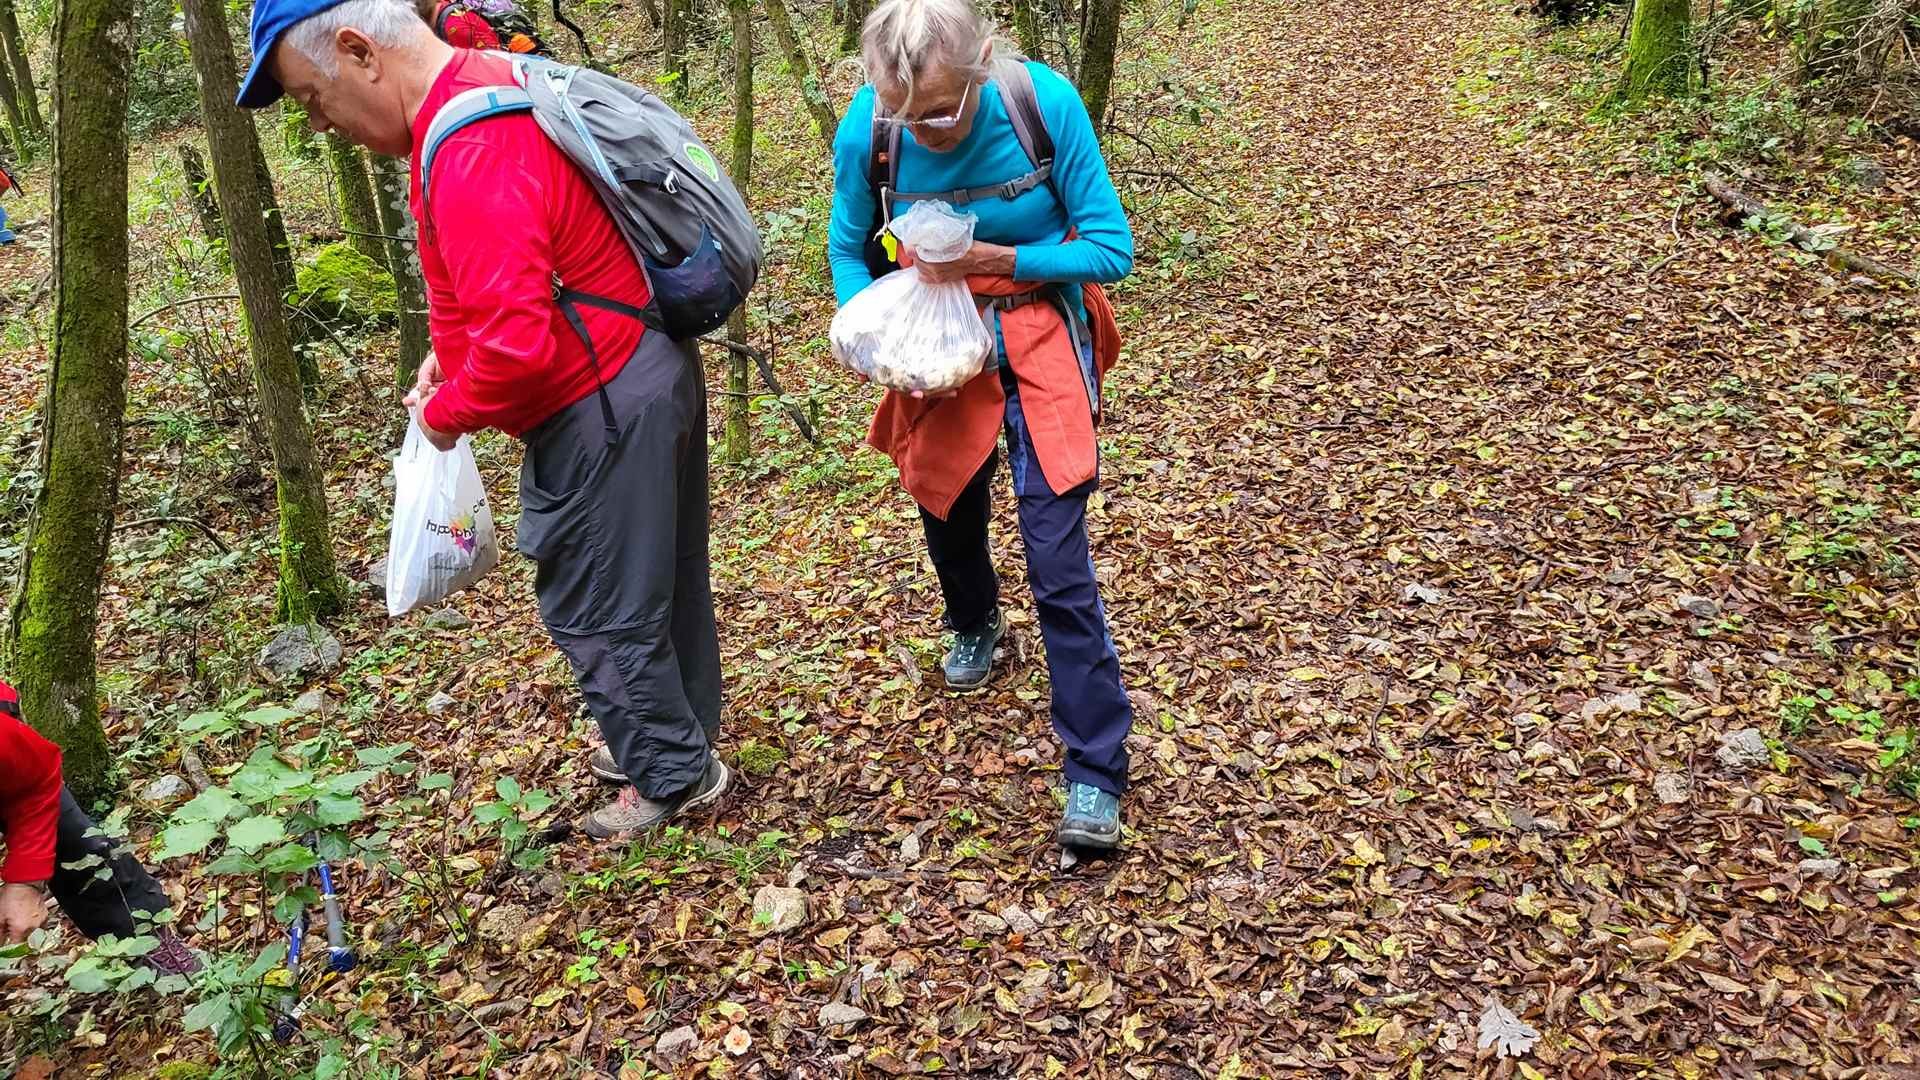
1092, 818
601, 764
633, 812
969, 662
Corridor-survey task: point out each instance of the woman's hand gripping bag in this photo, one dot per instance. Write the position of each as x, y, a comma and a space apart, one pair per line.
913, 335
443, 538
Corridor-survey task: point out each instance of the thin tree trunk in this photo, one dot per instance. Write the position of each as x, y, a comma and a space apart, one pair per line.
1096, 59
357, 211
1659, 51
55, 610
16, 48
1026, 28
390, 182
739, 433
652, 8
856, 17
206, 205
310, 585
280, 248
673, 40
794, 51
16, 120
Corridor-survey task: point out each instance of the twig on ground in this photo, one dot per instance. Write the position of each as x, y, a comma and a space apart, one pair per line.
1746, 206
1161, 174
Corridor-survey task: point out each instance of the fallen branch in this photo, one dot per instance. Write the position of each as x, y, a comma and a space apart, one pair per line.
1746, 207
766, 374
1161, 174
195, 522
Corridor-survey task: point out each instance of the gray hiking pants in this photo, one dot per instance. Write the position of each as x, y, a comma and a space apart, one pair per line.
618, 526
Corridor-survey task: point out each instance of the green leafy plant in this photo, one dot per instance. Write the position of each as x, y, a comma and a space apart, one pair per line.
513, 815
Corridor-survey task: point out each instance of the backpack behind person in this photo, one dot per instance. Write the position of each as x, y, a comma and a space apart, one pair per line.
483, 24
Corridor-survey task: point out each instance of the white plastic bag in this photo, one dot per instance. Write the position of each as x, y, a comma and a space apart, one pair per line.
908, 334
442, 539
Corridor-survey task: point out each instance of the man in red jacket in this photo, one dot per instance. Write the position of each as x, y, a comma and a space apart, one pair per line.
613, 488
52, 845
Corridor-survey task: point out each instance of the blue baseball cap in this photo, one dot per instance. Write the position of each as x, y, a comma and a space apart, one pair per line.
271, 19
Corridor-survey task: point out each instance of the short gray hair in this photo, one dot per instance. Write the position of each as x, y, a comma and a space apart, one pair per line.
904, 39
384, 22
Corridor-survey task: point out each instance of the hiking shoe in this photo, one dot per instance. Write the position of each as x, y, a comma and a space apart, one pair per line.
633, 812
171, 956
969, 662
601, 764
1092, 818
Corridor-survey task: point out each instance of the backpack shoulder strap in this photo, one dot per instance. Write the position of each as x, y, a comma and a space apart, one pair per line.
467, 107
1029, 124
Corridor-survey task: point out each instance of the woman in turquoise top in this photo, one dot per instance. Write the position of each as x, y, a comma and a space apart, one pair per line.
951, 124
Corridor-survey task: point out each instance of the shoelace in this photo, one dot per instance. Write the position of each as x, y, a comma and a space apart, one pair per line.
1085, 798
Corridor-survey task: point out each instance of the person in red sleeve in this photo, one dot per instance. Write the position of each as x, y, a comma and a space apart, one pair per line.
613, 486
53, 845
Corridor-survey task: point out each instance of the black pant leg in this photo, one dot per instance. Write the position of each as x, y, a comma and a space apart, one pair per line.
961, 558
696, 637
601, 519
99, 905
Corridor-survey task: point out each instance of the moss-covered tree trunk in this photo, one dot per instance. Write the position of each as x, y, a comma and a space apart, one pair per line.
856, 17
739, 433
390, 182
794, 52
16, 120
15, 45
279, 247
673, 45
310, 585
1659, 51
357, 213
1096, 59
55, 609
1026, 28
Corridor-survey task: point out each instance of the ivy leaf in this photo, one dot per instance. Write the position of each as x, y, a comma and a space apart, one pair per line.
186, 838
232, 862
509, 788
208, 1013
256, 832
436, 781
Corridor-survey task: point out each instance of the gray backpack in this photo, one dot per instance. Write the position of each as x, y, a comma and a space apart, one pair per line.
680, 214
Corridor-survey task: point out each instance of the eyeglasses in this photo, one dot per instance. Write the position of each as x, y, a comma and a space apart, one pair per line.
937, 123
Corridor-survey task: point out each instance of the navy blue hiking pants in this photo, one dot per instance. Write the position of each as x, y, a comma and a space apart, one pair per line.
1091, 712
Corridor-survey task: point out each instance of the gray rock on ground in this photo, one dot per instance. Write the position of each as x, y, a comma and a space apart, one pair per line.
836, 1014
677, 1045
297, 652
313, 702
440, 702
779, 908
1825, 868
165, 788
1743, 750
1700, 607
448, 618
1672, 788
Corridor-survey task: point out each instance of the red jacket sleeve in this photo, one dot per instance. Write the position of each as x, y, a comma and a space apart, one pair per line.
29, 801
495, 239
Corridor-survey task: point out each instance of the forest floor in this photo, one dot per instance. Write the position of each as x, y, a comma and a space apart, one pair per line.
1466, 482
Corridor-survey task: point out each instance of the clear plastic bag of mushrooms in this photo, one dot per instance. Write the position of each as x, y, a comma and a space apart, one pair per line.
909, 334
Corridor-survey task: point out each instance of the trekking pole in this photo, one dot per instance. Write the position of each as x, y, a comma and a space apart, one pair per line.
340, 958
288, 1021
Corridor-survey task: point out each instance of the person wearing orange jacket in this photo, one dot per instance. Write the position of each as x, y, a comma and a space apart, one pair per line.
52, 846
952, 114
